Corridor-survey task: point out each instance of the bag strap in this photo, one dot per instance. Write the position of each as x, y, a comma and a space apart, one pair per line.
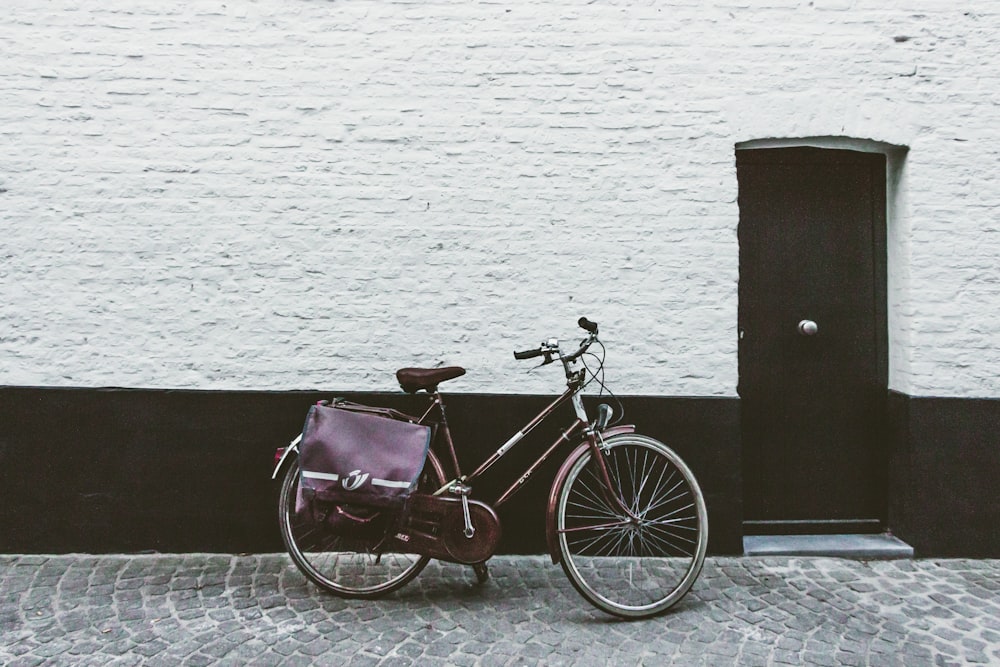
390, 413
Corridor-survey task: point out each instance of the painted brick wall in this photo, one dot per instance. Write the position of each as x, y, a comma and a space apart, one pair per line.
308, 194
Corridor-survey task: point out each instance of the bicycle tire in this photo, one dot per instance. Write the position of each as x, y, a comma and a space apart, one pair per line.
349, 566
632, 568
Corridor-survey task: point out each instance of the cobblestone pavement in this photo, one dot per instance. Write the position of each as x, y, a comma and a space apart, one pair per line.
258, 610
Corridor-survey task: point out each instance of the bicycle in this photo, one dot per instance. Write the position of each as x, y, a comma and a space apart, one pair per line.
626, 519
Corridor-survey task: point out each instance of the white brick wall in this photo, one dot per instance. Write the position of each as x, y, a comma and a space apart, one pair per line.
309, 194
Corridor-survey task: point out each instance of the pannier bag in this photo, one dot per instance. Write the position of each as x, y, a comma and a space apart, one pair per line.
354, 460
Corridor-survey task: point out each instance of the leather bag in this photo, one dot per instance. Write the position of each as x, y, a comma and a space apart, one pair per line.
353, 460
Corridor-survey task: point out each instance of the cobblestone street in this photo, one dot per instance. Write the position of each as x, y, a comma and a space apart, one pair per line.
258, 610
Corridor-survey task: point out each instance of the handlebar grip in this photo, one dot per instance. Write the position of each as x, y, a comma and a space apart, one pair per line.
588, 325
528, 354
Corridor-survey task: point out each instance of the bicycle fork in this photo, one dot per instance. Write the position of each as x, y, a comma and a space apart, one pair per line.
610, 490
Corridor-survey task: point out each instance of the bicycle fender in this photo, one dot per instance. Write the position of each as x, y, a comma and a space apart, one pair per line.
551, 531
293, 446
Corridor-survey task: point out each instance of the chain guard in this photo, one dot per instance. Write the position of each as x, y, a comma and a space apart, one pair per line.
436, 528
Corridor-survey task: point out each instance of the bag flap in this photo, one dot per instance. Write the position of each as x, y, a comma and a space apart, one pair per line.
361, 457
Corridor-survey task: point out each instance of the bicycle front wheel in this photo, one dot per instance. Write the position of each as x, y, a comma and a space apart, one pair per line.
638, 563
349, 565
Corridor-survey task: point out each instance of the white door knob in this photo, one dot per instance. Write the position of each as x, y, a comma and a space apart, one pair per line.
808, 328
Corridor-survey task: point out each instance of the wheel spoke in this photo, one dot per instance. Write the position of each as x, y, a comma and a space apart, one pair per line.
676, 509
642, 483
600, 526
608, 538
593, 495
663, 539
671, 516
635, 482
660, 495
619, 490
675, 524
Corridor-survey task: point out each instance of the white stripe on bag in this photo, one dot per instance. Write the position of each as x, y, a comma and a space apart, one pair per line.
375, 480
391, 484
320, 475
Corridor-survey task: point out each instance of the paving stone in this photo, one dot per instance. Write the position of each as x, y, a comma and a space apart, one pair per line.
220, 610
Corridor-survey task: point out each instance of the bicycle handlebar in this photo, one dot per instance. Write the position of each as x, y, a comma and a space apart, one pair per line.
547, 351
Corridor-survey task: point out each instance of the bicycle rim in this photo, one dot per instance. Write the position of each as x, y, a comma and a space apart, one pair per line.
640, 567
346, 565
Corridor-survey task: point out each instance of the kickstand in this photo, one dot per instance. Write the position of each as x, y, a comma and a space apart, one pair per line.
482, 572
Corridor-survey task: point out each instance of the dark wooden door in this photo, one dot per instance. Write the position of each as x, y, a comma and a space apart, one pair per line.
812, 249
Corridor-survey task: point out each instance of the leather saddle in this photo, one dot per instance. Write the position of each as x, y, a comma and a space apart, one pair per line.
413, 380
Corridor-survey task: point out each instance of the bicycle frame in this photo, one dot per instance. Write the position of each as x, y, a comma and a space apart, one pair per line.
461, 482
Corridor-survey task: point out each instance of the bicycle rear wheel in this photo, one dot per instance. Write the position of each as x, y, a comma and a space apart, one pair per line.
349, 565
640, 565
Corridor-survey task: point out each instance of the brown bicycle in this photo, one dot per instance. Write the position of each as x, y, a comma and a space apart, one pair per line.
625, 517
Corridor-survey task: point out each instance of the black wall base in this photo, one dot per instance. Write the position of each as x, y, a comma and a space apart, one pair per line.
124, 470
944, 471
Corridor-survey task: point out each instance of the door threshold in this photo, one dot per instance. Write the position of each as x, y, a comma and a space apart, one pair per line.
866, 547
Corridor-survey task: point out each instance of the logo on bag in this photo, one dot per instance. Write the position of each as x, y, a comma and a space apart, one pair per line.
354, 480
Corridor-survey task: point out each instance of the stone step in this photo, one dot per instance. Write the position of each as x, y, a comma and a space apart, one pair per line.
881, 547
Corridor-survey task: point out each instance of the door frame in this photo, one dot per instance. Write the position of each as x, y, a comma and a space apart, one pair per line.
885, 201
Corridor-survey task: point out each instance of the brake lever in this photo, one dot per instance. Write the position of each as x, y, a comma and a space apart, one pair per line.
541, 365
548, 360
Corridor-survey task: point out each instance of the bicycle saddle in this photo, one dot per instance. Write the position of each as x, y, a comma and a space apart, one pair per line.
413, 380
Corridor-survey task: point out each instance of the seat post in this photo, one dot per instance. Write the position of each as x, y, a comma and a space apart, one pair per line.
446, 432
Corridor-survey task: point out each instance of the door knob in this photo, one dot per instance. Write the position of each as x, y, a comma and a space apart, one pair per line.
808, 328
